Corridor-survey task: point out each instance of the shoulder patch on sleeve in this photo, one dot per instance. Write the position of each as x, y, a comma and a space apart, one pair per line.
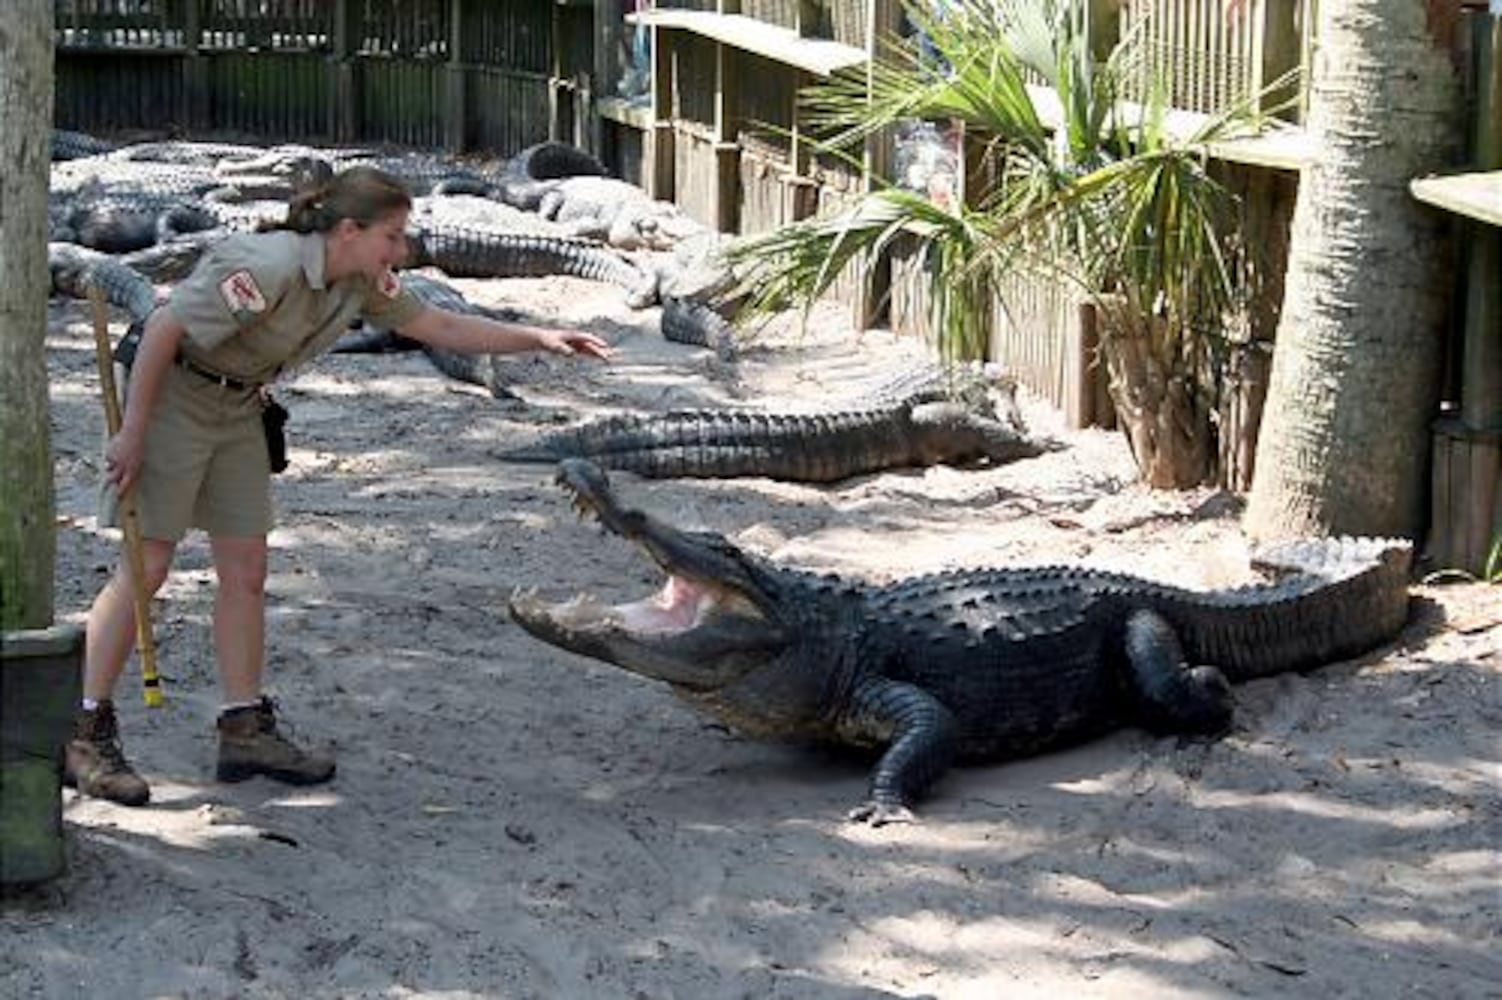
389, 284
241, 293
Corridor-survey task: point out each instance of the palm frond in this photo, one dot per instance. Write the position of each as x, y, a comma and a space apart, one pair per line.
1077, 183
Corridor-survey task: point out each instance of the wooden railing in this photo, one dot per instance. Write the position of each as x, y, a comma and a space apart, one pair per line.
1210, 54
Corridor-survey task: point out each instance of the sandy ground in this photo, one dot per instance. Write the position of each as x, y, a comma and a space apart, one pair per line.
511, 821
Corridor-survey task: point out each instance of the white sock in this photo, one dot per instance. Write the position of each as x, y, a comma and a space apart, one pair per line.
230, 706
89, 704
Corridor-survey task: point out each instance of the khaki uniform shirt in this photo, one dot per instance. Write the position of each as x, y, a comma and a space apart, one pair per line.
254, 307
257, 305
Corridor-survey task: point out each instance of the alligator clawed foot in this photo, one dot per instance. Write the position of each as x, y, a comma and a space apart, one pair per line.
876, 813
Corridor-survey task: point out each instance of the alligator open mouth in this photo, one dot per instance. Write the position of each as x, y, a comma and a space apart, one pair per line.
703, 626
681, 605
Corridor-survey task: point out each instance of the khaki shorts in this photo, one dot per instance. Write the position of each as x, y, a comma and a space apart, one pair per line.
205, 464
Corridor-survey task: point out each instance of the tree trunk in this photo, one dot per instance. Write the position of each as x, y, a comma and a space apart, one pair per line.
1154, 387
28, 540
1345, 437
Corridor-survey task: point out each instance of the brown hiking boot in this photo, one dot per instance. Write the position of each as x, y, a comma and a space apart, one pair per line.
95, 764
249, 744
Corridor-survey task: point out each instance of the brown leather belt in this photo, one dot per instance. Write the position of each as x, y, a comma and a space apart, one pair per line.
224, 380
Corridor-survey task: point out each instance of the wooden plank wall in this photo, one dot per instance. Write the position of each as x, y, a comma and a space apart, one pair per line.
1208, 57
783, 13
462, 73
278, 95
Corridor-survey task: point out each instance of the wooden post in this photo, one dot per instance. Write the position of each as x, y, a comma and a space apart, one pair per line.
608, 26
872, 300
800, 196
727, 182
1282, 50
1104, 27
657, 145
809, 12
195, 105
1481, 395
343, 110
1465, 519
555, 73
454, 79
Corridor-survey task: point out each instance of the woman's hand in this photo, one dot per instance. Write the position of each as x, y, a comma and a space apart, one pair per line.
122, 460
570, 342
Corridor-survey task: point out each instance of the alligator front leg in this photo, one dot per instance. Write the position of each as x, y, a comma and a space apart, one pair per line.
920, 734
1175, 697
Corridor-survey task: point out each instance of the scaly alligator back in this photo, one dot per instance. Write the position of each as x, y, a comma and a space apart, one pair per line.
1032, 657
465, 252
718, 444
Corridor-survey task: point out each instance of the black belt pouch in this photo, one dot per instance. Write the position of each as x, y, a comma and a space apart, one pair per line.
274, 420
125, 351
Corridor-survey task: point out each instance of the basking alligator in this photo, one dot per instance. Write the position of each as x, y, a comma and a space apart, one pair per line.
489, 370
550, 161
479, 252
73, 269
121, 223
894, 430
967, 665
67, 145
421, 173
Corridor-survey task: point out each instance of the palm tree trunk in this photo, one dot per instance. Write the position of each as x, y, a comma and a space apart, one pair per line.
28, 543
1345, 436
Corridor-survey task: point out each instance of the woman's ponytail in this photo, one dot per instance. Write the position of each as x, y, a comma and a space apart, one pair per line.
305, 212
363, 194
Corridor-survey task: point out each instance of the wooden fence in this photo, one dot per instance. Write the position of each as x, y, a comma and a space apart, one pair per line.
457, 74
1208, 55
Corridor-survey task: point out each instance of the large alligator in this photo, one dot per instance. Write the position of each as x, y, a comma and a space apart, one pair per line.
421, 173
478, 252
124, 206
891, 430
969, 665
121, 223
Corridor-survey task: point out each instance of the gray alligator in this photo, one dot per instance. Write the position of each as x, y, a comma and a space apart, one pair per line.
493, 371
893, 429
421, 173
69, 145
699, 324
549, 161
617, 212
477, 252
121, 206
73, 269
121, 223
970, 665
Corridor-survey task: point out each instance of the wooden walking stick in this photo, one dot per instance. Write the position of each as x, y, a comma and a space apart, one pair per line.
129, 524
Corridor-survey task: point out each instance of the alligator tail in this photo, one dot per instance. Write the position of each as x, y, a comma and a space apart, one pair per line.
1339, 597
699, 324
